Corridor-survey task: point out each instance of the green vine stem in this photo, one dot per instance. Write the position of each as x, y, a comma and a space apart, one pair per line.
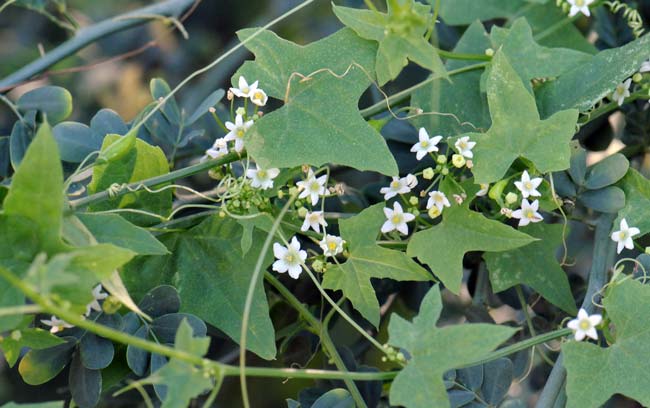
603, 260
219, 369
89, 35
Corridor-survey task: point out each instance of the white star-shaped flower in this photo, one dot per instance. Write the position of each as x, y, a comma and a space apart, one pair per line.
331, 245
464, 147
579, 6
56, 324
426, 144
585, 325
528, 186
237, 132
528, 213
623, 237
97, 296
484, 190
399, 186
396, 219
289, 258
313, 220
259, 97
621, 92
244, 90
312, 187
218, 149
262, 178
645, 67
439, 199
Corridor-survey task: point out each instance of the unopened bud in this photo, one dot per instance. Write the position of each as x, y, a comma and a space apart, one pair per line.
637, 78
428, 173
241, 111
458, 198
442, 159
511, 198
212, 109
469, 164
305, 168
302, 212
413, 201
458, 160
507, 212
434, 212
318, 266
489, 52
339, 189
444, 171
230, 96
111, 305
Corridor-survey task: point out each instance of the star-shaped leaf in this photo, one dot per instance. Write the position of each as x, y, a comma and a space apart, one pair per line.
435, 350
443, 246
183, 381
320, 121
530, 59
368, 260
517, 130
595, 373
544, 274
400, 34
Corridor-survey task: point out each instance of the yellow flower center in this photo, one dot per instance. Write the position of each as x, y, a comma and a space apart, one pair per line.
528, 185
261, 174
622, 235
314, 187
620, 89
462, 145
240, 133
397, 219
438, 198
246, 90
424, 144
258, 96
313, 218
332, 246
289, 258
530, 214
585, 324
394, 184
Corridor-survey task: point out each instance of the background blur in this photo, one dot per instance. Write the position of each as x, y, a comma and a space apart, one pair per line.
123, 85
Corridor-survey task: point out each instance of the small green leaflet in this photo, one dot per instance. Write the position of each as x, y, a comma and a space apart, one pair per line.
320, 121
113, 229
36, 190
534, 265
517, 130
462, 97
637, 201
368, 260
443, 246
400, 34
139, 163
36, 339
587, 84
435, 350
595, 373
184, 381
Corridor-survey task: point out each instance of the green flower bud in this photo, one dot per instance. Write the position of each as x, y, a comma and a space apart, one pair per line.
414, 201
511, 198
458, 160
442, 159
444, 171
428, 173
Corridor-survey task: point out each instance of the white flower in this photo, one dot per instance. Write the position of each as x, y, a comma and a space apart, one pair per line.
396, 219
262, 178
97, 296
426, 144
331, 245
621, 92
56, 324
585, 325
259, 97
465, 146
579, 6
645, 67
313, 220
484, 190
289, 258
399, 186
528, 186
245, 90
527, 213
218, 149
623, 237
312, 187
439, 199
237, 132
